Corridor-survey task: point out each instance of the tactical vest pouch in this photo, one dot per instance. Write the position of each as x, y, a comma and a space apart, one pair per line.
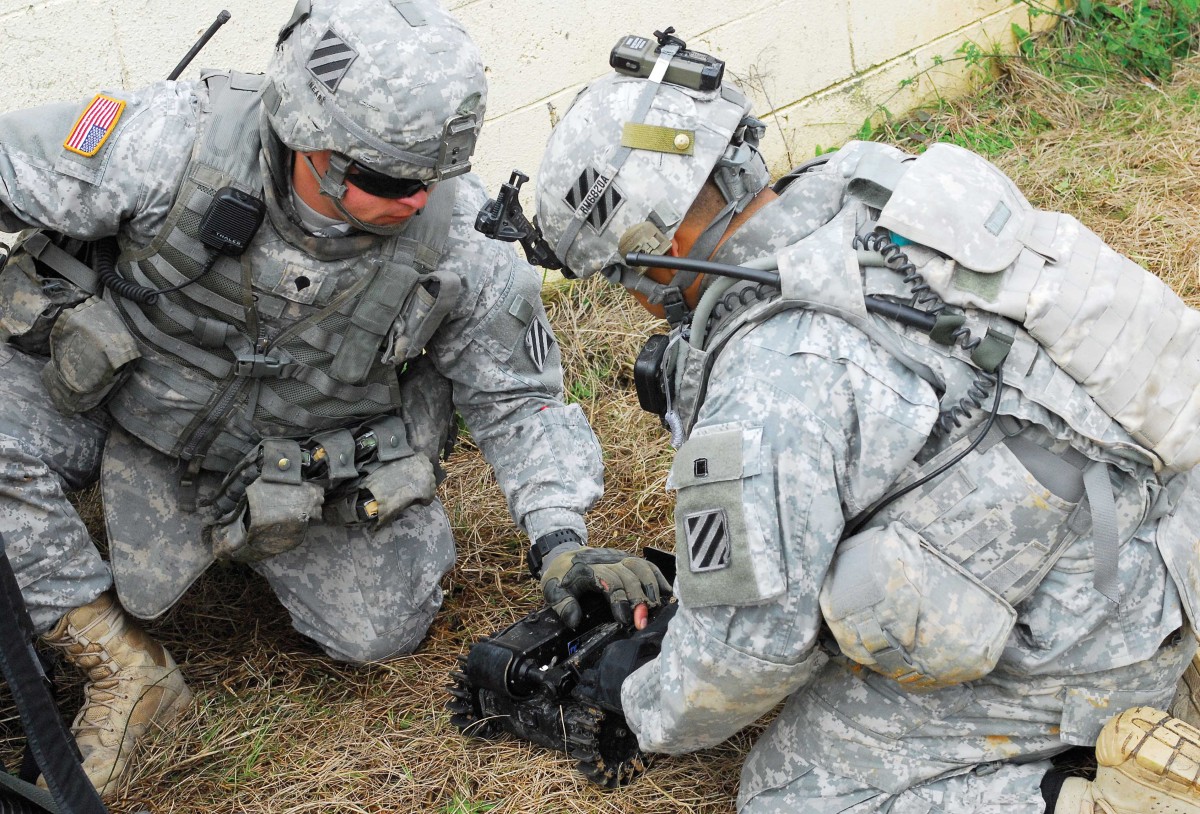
277, 511
30, 302
403, 477
690, 373
89, 348
371, 321
898, 606
427, 306
427, 403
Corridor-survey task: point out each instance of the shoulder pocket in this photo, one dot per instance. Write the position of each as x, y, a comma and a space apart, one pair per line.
723, 554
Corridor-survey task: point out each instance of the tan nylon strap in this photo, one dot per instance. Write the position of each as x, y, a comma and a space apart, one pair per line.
658, 139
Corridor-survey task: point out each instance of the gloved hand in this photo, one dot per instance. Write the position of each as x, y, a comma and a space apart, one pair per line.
602, 683
625, 580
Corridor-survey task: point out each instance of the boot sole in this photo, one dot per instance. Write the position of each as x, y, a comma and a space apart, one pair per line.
1154, 748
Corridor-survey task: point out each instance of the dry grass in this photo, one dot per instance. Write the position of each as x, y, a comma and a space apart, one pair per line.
276, 727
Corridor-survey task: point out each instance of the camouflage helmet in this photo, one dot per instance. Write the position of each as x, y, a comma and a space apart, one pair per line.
395, 85
628, 159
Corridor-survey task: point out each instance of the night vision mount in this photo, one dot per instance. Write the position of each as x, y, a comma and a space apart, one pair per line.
503, 219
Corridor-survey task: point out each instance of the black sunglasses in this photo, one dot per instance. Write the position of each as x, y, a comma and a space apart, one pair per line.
383, 186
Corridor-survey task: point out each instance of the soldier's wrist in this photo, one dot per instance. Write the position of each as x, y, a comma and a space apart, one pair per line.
548, 547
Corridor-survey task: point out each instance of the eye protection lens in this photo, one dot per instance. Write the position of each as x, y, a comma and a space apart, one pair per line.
383, 186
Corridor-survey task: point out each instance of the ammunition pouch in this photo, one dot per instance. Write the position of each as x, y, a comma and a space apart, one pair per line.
266, 503
90, 348
400, 484
903, 609
399, 477
276, 510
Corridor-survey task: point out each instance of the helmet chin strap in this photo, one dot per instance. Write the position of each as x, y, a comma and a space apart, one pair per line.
332, 185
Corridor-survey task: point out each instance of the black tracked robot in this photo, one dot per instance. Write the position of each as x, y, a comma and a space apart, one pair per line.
531, 680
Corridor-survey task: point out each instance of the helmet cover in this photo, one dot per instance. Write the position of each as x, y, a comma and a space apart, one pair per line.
593, 184
396, 85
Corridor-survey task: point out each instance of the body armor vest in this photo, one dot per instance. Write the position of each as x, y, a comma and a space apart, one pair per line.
283, 340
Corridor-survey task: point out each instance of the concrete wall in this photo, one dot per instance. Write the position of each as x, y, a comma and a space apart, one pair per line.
817, 67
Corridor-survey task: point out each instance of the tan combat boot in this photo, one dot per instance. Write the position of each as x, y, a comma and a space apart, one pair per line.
133, 684
1187, 696
1146, 762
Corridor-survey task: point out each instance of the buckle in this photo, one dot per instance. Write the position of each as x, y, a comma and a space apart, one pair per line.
674, 307
257, 366
458, 142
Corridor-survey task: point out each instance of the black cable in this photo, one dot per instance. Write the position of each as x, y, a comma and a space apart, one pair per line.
862, 521
761, 276
894, 257
912, 317
105, 257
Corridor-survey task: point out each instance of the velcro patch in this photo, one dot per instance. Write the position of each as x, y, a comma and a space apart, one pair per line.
538, 341
331, 59
707, 535
94, 125
594, 198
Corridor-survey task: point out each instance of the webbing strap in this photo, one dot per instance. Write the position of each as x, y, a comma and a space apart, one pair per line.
634, 280
52, 746
298, 416
197, 357
328, 386
40, 247
1061, 473
888, 653
1105, 536
26, 799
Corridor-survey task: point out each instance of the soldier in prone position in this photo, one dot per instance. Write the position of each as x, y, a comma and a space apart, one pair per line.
264, 302
958, 540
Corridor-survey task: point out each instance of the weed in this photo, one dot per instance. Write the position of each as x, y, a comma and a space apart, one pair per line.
1143, 40
461, 805
1093, 47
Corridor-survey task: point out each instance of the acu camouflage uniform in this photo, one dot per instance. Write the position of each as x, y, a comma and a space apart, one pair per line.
804, 424
361, 592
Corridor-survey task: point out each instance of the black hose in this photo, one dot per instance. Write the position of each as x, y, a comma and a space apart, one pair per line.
912, 317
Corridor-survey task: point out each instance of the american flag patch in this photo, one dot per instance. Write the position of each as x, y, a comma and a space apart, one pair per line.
331, 59
538, 341
593, 197
707, 537
95, 125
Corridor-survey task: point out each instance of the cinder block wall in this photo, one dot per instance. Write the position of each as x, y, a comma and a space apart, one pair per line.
816, 68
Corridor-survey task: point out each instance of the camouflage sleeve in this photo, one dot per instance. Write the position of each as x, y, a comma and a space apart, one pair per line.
805, 420
504, 362
92, 167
